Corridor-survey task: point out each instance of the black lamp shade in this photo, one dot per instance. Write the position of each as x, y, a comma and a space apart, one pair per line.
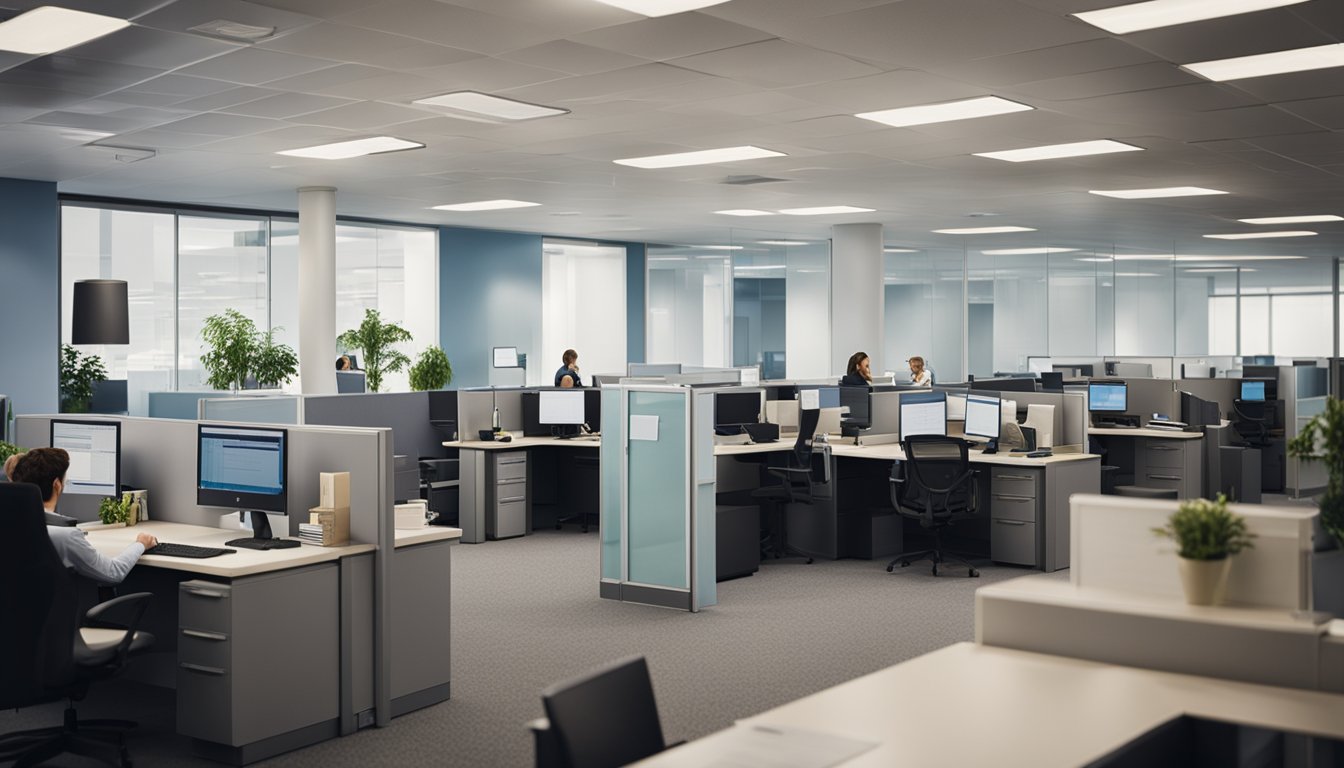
100, 313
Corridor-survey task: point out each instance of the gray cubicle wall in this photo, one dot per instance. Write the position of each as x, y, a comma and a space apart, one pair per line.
180, 405
1149, 396
405, 413
475, 410
281, 409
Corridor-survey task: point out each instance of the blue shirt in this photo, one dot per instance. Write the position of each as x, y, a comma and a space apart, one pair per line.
565, 371
75, 551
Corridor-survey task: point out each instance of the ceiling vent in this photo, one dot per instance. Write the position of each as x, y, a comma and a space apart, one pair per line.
125, 154
742, 181
233, 30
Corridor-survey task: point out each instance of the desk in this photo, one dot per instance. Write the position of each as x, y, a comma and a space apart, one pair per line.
1159, 458
1009, 708
497, 482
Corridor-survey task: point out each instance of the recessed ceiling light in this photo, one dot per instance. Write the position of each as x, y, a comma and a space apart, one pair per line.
478, 103
899, 250
700, 157
782, 242
1140, 194
982, 230
1213, 270
758, 267
660, 7
668, 258
486, 205
49, 29
1276, 63
233, 30
343, 150
1026, 251
1257, 235
716, 247
1055, 151
823, 210
1124, 19
745, 212
1293, 219
925, 114
1193, 257
1096, 259
1137, 274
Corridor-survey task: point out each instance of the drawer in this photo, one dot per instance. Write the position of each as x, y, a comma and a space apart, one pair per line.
203, 648
510, 519
511, 490
1012, 508
1159, 479
205, 702
1013, 482
511, 466
205, 605
1165, 453
1012, 541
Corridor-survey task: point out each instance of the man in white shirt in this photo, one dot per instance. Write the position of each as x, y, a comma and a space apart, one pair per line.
45, 468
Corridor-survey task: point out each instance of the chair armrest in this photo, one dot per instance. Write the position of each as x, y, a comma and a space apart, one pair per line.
122, 613
546, 743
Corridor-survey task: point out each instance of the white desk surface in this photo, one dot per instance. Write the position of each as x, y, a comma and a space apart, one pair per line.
994, 706
243, 562
518, 441
893, 452
410, 536
1144, 432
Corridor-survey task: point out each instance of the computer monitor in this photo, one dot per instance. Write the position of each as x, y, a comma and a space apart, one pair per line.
858, 400
354, 360
562, 410
1252, 389
245, 468
956, 406
923, 413
1007, 384
504, 357
592, 409
828, 397
1198, 412
1107, 397
733, 410
984, 416
350, 382
1052, 381
95, 455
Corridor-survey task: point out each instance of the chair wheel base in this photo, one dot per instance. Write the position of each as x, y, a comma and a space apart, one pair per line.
973, 574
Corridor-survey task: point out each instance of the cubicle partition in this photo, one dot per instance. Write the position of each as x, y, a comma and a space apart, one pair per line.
405, 413
182, 405
1303, 390
1220, 391
276, 409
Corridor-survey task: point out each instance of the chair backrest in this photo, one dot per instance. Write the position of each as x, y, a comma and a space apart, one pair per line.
938, 483
608, 718
807, 428
38, 603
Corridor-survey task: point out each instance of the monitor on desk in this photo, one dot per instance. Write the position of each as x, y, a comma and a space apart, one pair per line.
1253, 389
562, 410
923, 413
95, 455
983, 416
858, 401
956, 406
734, 410
1107, 397
245, 468
1007, 384
504, 357
1052, 381
592, 409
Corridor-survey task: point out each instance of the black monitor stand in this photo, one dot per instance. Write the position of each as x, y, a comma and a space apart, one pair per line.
261, 535
566, 431
992, 446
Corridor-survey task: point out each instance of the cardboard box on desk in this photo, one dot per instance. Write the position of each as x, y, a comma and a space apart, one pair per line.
333, 490
327, 526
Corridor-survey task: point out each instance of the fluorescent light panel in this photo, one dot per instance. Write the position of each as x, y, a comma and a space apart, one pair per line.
782, 242
745, 212
716, 247
1026, 251
1141, 194
660, 7
899, 250
486, 205
1096, 259
1293, 219
344, 150
490, 106
984, 106
1276, 63
982, 230
823, 210
50, 29
1257, 235
1124, 19
700, 157
1056, 151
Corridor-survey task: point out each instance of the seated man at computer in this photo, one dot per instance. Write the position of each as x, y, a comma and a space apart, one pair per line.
46, 468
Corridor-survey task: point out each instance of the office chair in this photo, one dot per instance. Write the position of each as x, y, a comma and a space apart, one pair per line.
794, 486
1252, 421
45, 655
938, 490
604, 719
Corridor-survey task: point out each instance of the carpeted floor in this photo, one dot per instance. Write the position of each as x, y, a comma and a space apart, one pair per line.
526, 614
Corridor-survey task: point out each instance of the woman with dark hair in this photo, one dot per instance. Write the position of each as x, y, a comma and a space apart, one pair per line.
858, 373
568, 375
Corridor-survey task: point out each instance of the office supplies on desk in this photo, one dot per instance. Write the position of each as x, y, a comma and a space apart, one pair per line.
187, 550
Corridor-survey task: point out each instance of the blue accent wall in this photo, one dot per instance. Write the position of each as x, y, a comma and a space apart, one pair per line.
489, 296
635, 301
30, 318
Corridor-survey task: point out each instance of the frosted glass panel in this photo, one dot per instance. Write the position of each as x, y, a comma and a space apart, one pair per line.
658, 493
582, 308
1255, 325
1302, 326
613, 433
255, 410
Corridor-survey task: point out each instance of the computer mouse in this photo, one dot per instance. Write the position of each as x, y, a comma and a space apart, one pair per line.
506, 439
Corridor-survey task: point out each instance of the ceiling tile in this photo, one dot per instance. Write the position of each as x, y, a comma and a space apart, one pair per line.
572, 58
333, 76
487, 74
776, 63
225, 99
562, 17
449, 25
103, 123
1327, 112
283, 105
1139, 77
67, 73
182, 15
1049, 63
141, 47
901, 88
362, 115
219, 124
604, 84
253, 66
181, 86
671, 37
339, 42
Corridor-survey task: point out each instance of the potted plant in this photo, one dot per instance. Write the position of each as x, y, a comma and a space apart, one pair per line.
374, 339
116, 510
275, 364
78, 372
1208, 535
431, 371
1322, 439
7, 450
232, 340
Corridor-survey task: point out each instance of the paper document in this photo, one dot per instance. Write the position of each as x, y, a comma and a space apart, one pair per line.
644, 428
766, 746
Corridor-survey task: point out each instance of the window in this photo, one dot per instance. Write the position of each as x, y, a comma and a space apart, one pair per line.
221, 264
690, 306
582, 308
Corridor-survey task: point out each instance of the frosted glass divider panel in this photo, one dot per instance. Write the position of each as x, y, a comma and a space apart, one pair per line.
612, 455
657, 492
255, 410
703, 510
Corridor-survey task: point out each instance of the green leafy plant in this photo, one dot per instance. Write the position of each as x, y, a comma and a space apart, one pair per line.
431, 371
78, 372
275, 364
115, 509
7, 450
374, 339
1205, 530
1322, 439
237, 349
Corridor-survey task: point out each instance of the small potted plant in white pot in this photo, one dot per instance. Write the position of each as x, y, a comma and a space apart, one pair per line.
1208, 536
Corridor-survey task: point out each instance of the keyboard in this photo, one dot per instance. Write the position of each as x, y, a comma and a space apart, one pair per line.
265, 544
186, 550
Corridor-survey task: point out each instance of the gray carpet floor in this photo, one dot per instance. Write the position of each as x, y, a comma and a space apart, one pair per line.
526, 614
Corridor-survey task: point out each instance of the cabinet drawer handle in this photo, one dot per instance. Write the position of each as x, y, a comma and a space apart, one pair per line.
214, 671
204, 635
1163, 448
210, 593
523, 460
1013, 477
512, 499
1009, 522
1164, 477
1015, 499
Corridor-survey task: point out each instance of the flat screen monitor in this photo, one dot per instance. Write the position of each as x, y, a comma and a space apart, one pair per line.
956, 406
1107, 397
1007, 384
735, 409
560, 407
592, 409
1252, 390
1052, 381
242, 468
95, 455
857, 399
504, 357
923, 413
983, 416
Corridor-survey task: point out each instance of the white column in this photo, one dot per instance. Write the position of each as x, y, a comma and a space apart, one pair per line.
317, 289
857, 323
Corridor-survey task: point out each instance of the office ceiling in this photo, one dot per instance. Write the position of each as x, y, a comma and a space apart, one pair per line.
787, 75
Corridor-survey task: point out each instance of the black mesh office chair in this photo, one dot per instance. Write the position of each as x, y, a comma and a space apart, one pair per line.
1251, 421
605, 719
936, 486
794, 487
45, 653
